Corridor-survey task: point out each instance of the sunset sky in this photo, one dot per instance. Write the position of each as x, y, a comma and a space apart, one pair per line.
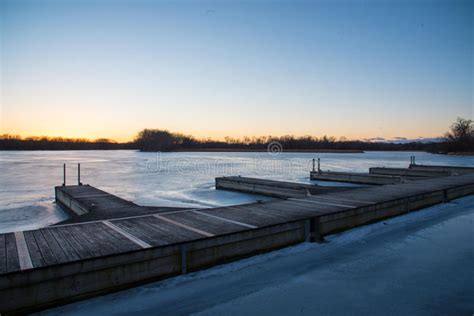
350, 68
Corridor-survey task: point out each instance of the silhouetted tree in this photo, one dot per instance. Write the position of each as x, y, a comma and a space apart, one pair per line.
461, 135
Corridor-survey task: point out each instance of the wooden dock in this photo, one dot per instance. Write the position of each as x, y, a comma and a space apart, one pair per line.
86, 203
280, 189
382, 175
356, 177
50, 266
454, 170
409, 173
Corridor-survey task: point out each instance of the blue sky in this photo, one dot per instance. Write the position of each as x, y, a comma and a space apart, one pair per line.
345, 68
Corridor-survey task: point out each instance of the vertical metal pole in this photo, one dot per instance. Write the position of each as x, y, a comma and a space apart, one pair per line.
319, 165
79, 174
64, 174
414, 157
314, 162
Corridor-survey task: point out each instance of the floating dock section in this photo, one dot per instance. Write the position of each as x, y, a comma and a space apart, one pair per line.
59, 264
280, 189
354, 177
409, 173
454, 170
86, 203
381, 175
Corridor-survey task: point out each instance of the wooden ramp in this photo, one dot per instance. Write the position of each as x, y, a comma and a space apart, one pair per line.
280, 189
59, 264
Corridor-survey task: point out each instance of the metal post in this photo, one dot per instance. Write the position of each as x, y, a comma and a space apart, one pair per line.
64, 174
319, 165
79, 174
314, 161
414, 163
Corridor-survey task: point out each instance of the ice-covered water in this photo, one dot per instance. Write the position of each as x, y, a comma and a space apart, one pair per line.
27, 178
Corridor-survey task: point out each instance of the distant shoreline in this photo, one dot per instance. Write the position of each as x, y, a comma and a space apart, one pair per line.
345, 151
459, 153
339, 151
262, 150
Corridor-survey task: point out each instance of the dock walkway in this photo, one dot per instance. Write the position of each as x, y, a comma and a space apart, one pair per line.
280, 189
54, 265
383, 176
86, 203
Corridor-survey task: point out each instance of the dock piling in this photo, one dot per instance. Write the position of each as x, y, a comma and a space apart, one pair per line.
79, 174
319, 165
64, 174
184, 268
314, 164
315, 230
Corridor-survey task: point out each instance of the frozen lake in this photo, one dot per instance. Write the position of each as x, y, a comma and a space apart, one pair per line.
166, 179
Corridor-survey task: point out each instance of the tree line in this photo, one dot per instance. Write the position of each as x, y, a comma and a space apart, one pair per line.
15, 142
459, 138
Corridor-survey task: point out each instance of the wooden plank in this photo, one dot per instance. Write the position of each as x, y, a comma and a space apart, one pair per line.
35, 253
205, 223
57, 250
337, 198
138, 229
201, 232
92, 238
281, 211
225, 219
47, 254
301, 209
156, 232
314, 201
249, 215
13, 263
76, 242
127, 235
172, 233
290, 210
67, 247
23, 254
141, 229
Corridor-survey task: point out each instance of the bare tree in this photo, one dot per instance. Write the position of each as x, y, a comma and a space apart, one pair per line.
461, 135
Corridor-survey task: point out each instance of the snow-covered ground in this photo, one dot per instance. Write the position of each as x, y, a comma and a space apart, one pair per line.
417, 264
168, 179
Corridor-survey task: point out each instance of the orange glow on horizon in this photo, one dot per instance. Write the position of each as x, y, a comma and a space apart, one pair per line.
128, 137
